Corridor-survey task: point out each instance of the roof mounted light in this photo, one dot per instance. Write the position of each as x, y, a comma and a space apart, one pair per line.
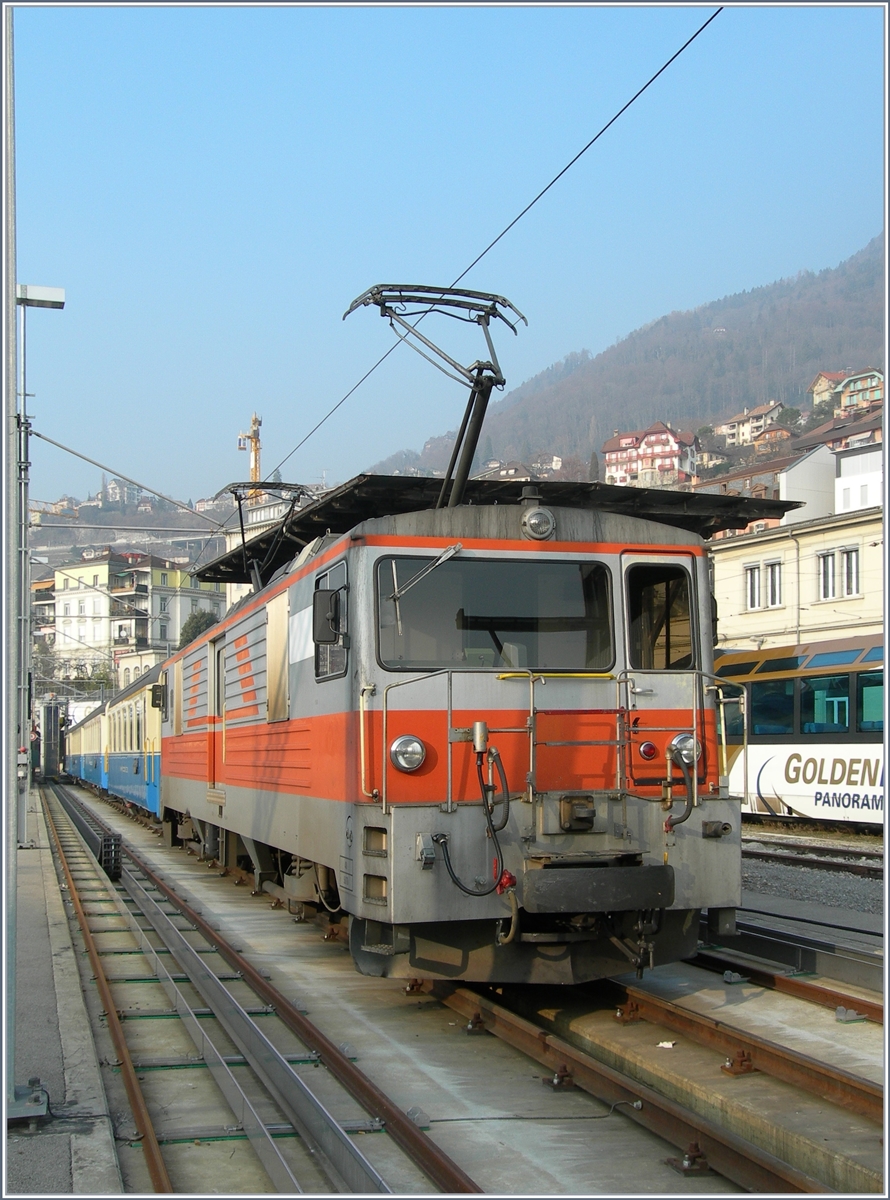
539, 524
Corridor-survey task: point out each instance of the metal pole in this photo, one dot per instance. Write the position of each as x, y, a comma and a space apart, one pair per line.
471, 441
24, 552
11, 589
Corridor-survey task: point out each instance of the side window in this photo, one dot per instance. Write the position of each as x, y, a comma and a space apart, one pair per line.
870, 702
772, 707
659, 617
825, 704
330, 660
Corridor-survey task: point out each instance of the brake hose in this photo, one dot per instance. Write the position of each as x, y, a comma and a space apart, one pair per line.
441, 839
687, 811
496, 759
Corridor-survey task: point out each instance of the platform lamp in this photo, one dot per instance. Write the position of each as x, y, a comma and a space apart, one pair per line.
22, 1101
27, 296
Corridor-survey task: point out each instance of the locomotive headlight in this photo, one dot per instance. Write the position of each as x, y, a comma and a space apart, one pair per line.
538, 523
407, 752
687, 747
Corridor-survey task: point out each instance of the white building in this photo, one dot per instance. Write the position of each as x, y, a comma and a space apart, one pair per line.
741, 429
859, 478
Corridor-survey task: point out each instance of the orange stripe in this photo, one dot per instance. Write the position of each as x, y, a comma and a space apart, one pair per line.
529, 547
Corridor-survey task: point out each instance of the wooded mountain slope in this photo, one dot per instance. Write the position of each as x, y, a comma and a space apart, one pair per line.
692, 368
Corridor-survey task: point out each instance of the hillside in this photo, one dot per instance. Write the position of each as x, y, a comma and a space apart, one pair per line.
692, 368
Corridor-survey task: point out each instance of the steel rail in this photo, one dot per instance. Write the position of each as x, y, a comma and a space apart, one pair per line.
438, 1166
154, 1159
255, 1128
791, 985
820, 849
733, 1157
339, 1157
748, 1052
815, 863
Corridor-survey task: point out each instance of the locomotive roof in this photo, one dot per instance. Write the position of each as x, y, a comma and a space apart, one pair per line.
369, 496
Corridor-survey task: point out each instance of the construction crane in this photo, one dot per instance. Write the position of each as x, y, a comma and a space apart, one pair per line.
251, 441
58, 508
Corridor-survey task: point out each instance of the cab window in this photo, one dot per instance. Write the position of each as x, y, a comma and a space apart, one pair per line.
659, 618
330, 660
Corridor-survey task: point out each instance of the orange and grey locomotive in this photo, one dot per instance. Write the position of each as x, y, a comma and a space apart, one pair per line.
487, 734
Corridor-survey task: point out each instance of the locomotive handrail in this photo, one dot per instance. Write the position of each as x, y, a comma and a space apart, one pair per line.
367, 689
557, 675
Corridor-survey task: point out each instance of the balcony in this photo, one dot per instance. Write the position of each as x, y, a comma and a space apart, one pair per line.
119, 585
139, 643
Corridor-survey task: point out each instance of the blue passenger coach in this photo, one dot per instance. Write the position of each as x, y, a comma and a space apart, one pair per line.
117, 748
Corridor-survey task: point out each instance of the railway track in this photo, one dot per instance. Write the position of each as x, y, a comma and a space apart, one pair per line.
705, 1142
243, 1045
865, 862
702, 1144
803, 944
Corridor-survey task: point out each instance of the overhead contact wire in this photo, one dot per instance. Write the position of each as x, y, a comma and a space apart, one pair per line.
543, 192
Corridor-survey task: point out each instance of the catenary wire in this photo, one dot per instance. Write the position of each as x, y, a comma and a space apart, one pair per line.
507, 228
120, 475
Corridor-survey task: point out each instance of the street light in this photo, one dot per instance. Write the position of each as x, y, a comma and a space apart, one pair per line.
26, 296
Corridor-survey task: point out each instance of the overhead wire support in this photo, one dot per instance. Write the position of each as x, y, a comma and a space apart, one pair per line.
327, 416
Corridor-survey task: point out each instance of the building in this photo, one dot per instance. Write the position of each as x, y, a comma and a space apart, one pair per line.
817, 574
811, 580
859, 393
859, 478
107, 615
121, 493
808, 478
509, 470
822, 387
744, 427
771, 440
659, 456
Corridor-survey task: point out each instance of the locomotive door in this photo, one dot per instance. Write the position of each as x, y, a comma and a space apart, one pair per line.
217, 704
661, 690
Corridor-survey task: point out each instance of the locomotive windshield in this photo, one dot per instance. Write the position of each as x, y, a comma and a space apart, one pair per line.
478, 613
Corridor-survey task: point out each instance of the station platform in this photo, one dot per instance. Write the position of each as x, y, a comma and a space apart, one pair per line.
71, 1149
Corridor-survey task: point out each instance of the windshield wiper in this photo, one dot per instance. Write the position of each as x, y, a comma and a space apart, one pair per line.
399, 592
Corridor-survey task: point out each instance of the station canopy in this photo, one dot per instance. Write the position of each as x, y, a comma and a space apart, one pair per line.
369, 496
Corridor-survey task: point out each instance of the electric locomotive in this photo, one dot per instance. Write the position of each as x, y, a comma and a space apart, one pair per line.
487, 733
478, 719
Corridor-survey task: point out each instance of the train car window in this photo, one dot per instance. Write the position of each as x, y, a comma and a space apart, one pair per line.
825, 704
780, 664
476, 613
659, 618
876, 654
276, 658
736, 668
870, 702
138, 726
330, 660
772, 707
834, 658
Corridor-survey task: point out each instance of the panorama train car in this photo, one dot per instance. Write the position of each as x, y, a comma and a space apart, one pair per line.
487, 733
117, 748
810, 745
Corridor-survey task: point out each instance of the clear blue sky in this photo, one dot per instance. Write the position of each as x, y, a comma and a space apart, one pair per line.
213, 186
